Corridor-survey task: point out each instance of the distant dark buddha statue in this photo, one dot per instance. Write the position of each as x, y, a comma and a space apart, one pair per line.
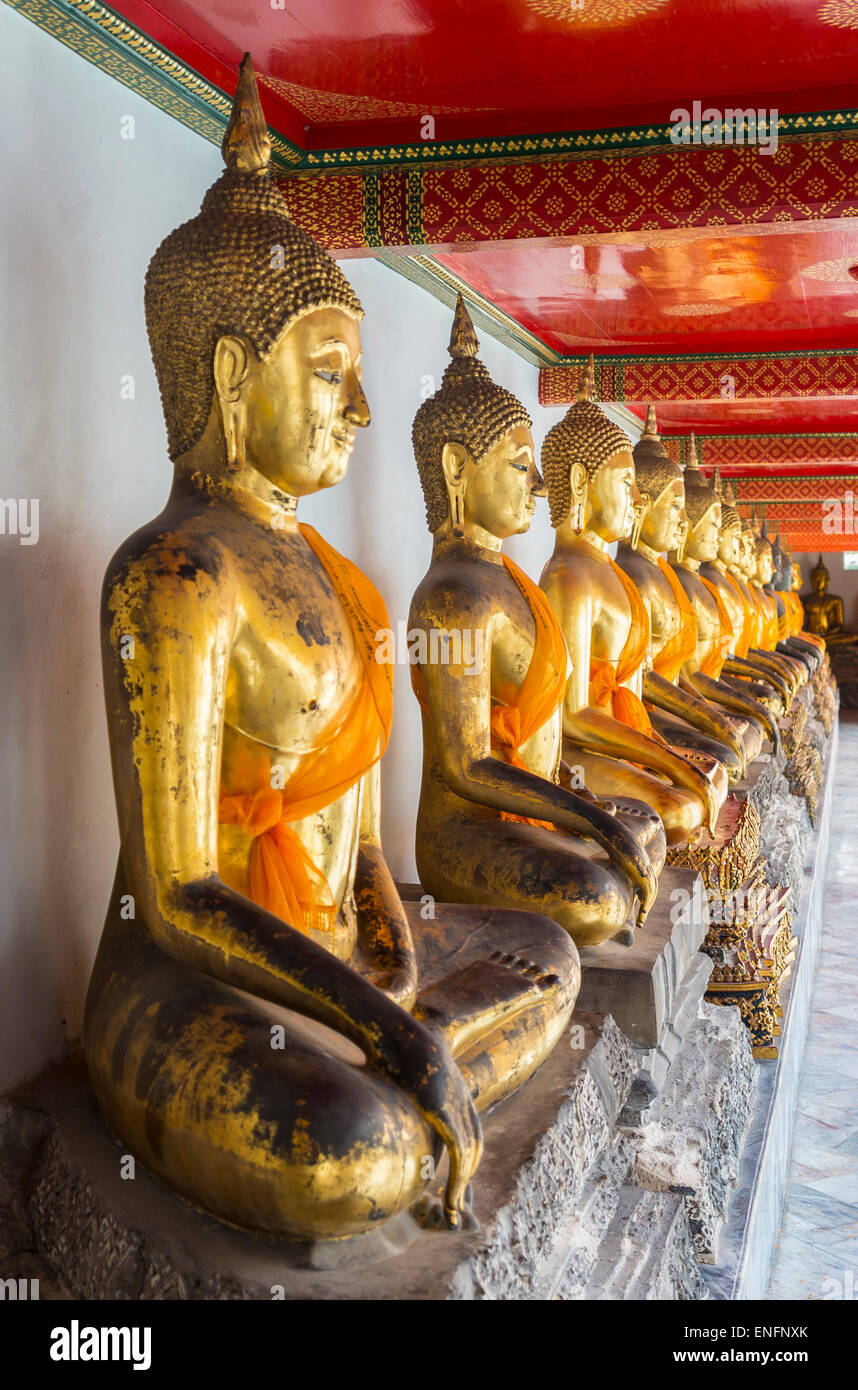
824, 611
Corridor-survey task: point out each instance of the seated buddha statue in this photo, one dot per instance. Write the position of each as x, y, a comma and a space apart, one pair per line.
498, 820
757, 663
788, 641
792, 576
787, 585
823, 612
675, 709
739, 672
263, 1031
715, 633
590, 475
760, 581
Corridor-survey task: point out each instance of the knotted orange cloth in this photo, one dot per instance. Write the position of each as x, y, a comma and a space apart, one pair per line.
683, 644
283, 878
540, 693
714, 661
742, 640
607, 691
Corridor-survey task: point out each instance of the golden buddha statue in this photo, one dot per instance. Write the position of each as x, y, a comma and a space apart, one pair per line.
823, 612
788, 584
739, 672
262, 1030
761, 583
751, 666
676, 710
715, 634
499, 821
590, 475
789, 620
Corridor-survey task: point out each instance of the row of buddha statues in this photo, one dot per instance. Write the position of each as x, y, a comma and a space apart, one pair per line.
270, 1029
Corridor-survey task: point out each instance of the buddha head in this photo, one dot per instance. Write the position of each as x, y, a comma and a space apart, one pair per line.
819, 577
474, 448
254, 330
703, 505
779, 561
660, 484
765, 563
747, 559
589, 470
730, 535
795, 576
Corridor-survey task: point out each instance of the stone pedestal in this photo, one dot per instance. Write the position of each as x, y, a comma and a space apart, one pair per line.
653, 988
561, 1212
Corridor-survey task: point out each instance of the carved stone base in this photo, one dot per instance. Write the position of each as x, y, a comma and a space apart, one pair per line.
653, 988
560, 1211
694, 1131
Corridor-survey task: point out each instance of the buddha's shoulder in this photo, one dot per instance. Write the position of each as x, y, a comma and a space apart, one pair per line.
169, 552
453, 585
576, 571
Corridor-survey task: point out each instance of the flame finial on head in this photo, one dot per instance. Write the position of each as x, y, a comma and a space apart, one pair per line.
463, 338
246, 146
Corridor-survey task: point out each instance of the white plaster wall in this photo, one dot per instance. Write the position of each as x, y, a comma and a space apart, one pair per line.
82, 211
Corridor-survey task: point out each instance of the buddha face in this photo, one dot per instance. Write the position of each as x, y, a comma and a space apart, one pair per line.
728, 543
612, 496
500, 489
301, 406
703, 538
765, 565
819, 580
747, 558
795, 576
662, 522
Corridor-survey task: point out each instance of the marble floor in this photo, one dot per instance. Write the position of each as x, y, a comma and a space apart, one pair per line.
817, 1253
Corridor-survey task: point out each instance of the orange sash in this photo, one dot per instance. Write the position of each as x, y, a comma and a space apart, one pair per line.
714, 661
743, 641
683, 644
282, 877
785, 620
768, 621
540, 693
607, 691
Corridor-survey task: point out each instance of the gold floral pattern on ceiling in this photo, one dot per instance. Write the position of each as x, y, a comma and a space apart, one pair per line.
605, 14
693, 311
321, 107
834, 270
841, 14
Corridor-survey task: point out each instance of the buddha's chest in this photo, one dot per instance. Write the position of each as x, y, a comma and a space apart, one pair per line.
512, 636
612, 614
293, 668
664, 612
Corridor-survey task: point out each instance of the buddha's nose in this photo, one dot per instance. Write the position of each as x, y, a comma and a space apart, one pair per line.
537, 485
357, 409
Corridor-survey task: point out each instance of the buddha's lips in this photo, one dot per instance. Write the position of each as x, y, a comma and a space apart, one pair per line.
345, 441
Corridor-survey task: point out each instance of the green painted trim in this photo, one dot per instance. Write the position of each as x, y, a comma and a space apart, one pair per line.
105, 39
661, 358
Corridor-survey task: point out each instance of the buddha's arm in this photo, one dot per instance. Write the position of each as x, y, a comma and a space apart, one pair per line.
460, 708
166, 717
599, 731
383, 928
836, 616
694, 709
693, 678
